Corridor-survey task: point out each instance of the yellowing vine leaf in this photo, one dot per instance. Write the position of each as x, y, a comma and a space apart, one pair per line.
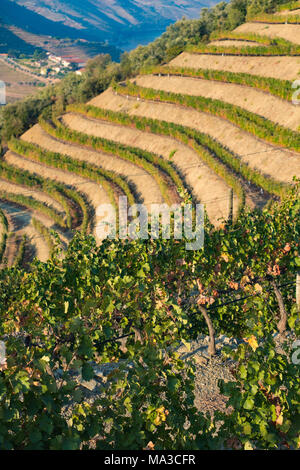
248, 446
258, 288
279, 420
150, 446
252, 342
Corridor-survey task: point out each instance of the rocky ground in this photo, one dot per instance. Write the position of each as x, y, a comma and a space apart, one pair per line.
208, 372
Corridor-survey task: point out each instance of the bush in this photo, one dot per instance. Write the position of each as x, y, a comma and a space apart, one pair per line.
265, 398
214, 154
45, 233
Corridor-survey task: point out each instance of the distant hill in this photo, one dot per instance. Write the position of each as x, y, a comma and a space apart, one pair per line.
116, 21
109, 17
23, 30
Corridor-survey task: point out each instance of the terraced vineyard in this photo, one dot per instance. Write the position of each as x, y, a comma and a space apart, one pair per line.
217, 118
155, 342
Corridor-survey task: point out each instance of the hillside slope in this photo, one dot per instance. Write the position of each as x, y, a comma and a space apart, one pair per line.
217, 126
111, 16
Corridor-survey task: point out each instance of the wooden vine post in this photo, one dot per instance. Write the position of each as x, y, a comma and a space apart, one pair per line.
212, 343
281, 325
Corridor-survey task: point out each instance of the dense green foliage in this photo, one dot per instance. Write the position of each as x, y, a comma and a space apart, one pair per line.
269, 46
25, 178
68, 312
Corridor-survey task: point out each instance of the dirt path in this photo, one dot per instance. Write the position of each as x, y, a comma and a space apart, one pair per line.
145, 185
278, 163
290, 32
252, 100
197, 176
285, 68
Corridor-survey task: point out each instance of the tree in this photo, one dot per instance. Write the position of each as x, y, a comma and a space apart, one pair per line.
237, 13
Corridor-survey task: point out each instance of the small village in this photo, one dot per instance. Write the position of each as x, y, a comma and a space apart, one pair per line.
48, 68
